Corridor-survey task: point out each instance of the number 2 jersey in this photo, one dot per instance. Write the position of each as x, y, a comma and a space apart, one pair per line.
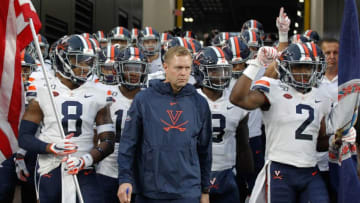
225, 120
119, 108
77, 110
292, 122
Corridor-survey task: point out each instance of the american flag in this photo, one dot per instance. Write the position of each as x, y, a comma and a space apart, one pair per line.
15, 35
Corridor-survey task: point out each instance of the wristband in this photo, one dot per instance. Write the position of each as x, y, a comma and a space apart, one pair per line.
88, 160
283, 37
252, 70
109, 127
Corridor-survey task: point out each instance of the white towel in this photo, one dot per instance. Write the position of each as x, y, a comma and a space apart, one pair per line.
68, 188
258, 195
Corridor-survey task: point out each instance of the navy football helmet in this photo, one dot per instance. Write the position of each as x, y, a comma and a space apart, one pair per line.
312, 36
28, 66
211, 69
149, 41
108, 65
120, 35
165, 37
44, 46
297, 67
194, 45
134, 36
220, 39
253, 41
254, 25
100, 37
320, 59
189, 35
236, 52
73, 52
297, 38
133, 68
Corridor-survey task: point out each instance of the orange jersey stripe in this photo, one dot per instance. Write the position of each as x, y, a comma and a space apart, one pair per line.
263, 82
32, 87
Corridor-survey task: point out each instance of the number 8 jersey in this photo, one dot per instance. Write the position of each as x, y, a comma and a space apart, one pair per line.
292, 122
77, 110
225, 120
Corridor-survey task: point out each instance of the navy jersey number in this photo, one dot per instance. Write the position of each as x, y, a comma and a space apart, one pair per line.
218, 132
119, 115
72, 111
299, 132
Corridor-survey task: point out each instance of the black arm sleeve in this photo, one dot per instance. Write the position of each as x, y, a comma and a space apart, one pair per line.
105, 148
27, 139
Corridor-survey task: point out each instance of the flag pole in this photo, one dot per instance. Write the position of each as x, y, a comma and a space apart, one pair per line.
37, 46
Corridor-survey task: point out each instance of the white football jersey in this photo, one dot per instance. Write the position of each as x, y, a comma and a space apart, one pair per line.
255, 116
328, 89
156, 65
225, 120
292, 122
77, 110
119, 108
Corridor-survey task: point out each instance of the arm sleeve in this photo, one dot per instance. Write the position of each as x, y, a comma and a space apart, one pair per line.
128, 141
27, 139
204, 148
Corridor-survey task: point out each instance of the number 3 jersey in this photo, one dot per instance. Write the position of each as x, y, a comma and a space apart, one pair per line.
77, 111
119, 108
292, 122
225, 120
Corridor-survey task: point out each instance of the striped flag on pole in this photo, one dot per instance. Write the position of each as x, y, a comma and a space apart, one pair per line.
343, 173
15, 35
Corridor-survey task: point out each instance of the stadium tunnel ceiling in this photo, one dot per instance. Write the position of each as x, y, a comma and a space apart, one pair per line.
229, 15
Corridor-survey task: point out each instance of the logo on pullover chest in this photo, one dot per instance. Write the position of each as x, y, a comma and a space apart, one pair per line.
174, 120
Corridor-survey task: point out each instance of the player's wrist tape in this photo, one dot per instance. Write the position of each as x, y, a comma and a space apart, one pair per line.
253, 68
88, 160
283, 37
109, 127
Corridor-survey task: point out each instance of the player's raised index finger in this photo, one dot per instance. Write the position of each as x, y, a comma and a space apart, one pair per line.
281, 12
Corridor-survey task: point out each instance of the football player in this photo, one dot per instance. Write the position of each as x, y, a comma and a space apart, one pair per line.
294, 103
80, 103
149, 43
121, 36
130, 76
230, 130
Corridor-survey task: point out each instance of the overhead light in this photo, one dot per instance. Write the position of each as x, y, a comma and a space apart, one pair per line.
296, 24
299, 13
182, 9
191, 20
186, 19
301, 1
295, 32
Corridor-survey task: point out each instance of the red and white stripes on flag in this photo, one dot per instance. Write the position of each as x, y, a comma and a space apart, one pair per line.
15, 35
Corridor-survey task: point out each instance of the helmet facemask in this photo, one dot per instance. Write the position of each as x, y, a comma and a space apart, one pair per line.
301, 75
216, 77
133, 74
150, 45
107, 72
78, 67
